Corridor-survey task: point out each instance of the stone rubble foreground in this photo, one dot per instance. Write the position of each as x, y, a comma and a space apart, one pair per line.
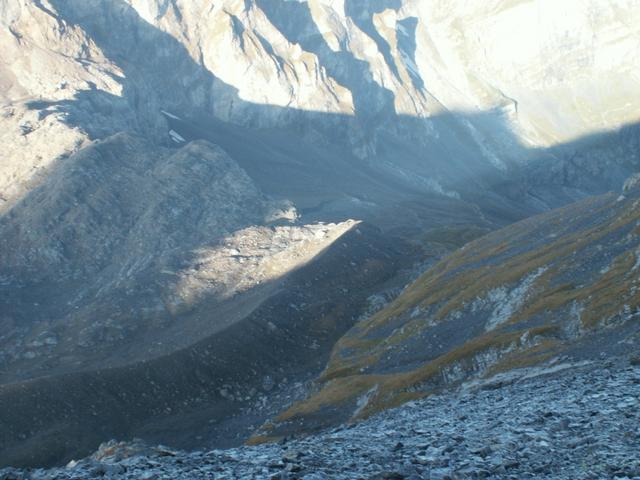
583, 423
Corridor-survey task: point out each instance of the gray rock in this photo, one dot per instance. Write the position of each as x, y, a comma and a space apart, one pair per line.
511, 449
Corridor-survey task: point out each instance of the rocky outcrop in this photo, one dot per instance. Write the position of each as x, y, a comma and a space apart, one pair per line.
633, 182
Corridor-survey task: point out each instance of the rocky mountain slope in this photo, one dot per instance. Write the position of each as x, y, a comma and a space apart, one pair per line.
579, 421
198, 199
563, 284
220, 388
399, 85
120, 248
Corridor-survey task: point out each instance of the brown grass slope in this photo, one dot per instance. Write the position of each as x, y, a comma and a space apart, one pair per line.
562, 284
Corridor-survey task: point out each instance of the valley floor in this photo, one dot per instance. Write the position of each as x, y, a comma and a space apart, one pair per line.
579, 423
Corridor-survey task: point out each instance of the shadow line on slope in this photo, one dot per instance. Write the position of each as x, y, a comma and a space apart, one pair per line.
218, 383
448, 152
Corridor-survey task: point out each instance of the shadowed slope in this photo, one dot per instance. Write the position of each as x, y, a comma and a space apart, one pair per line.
215, 391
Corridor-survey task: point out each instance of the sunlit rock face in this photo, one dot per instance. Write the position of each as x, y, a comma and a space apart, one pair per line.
41, 58
515, 74
561, 70
558, 71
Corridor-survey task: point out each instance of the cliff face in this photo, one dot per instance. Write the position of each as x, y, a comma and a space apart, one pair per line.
543, 64
474, 89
